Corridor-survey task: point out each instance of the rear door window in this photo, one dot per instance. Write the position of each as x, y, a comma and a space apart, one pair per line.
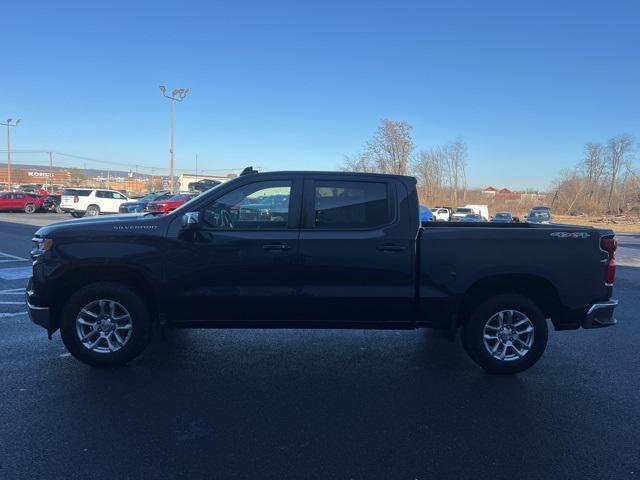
351, 205
76, 193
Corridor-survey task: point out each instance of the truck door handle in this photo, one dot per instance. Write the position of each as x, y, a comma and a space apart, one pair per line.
391, 247
276, 247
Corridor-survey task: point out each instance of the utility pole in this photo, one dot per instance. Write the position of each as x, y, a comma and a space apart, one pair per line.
50, 170
177, 95
9, 125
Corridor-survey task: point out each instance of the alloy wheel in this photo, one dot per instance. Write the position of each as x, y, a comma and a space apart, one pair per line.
104, 326
508, 335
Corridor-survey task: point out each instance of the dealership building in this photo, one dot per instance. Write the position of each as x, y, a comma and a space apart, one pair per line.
30, 176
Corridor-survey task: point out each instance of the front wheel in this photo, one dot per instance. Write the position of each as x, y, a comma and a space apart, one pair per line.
77, 214
505, 334
105, 324
29, 208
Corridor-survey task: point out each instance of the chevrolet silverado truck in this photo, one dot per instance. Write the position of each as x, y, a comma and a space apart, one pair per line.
317, 250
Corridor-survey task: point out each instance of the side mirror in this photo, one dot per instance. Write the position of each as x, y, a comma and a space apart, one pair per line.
190, 220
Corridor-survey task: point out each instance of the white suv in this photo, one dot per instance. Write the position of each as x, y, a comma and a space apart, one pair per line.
91, 201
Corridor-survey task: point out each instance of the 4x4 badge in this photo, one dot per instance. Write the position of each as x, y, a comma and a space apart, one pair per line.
571, 234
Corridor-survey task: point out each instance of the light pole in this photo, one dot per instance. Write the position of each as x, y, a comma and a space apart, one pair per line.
9, 125
177, 95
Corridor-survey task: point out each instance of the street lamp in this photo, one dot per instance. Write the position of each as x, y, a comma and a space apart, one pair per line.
9, 125
177, 95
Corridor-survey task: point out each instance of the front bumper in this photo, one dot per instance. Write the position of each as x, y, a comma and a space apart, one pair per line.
600, 315
38, 315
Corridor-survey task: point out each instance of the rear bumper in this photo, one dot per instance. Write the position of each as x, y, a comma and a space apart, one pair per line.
600, 315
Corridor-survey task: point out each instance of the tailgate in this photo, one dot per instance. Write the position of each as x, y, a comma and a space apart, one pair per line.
67, 201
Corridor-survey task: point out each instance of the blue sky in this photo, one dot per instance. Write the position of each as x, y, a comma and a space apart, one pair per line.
298, 85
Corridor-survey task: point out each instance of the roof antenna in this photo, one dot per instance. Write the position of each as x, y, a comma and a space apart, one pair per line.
248, 170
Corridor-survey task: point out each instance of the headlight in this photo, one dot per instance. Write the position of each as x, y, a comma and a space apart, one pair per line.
40, 246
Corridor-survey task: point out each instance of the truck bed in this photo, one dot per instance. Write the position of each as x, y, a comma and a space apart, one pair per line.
454, 257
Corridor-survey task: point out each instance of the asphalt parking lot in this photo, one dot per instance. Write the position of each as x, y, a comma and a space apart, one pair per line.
315, 404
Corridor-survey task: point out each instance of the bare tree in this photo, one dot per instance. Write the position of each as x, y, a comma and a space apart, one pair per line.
358, 163
391, 147
456, 163
594, 167
618, 155
429, 168
388, 151
569, 188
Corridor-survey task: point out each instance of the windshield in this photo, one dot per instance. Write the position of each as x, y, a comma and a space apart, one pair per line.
179, 198
151, 197
503, 215
464, 210
539, 215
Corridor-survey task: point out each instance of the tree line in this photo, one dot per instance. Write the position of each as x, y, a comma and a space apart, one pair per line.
441, 171
605, 181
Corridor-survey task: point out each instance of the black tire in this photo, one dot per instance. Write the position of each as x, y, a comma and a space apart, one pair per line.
30, 208
140, 320
77, 214
474, 330
93, 210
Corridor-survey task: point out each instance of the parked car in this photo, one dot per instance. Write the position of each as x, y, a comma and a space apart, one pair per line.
203, 185
170, 204
460, 213
20, 202
482, 210
51, 203
539, 216
442, 214
347, 253
91, 201
502, 217
426, 215
541, 208
140, 204
473, 217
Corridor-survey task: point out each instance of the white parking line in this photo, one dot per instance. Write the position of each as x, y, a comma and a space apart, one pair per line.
11, 303
4, 257
13, 291
15, 273
12, 314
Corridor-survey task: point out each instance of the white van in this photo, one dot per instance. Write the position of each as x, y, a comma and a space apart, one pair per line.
482, 210
90, 201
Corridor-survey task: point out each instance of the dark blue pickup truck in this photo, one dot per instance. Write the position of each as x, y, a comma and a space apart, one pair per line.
336, 250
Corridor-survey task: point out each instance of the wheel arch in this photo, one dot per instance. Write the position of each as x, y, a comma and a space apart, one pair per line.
78, 277
536, 288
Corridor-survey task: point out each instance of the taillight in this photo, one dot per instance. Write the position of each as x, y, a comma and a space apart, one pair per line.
610, 245
76, 199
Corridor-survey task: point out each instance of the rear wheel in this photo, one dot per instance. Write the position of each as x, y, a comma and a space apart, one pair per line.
506, 334
30, 208
93, 210
105, 324
77, 214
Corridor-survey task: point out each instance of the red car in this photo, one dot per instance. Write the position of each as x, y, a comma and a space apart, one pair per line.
20, 201
170, 204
